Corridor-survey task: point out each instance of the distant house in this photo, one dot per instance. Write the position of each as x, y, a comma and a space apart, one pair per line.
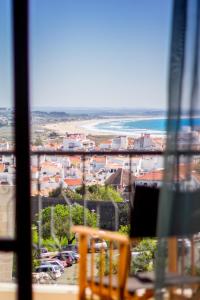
88, 144
73, 183
106, 145
186, 182
154, 178
144, 142
73, 141
134, 164
119, 142
151, 163
98, 162
121, 179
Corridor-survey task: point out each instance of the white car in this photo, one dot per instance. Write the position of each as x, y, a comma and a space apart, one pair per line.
98, 244
54, 262
53, 271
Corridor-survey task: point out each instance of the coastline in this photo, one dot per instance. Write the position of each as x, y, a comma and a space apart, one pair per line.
88, 127
80, 126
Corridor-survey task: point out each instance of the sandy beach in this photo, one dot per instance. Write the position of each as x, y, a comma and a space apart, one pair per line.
80, 126
89, 127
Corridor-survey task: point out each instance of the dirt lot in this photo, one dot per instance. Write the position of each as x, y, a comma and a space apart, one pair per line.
69, 276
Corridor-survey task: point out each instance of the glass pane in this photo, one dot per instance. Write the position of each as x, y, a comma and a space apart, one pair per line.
8, 276
6, 88
98, 83
89, 65
7, 206
7, 161
8, 267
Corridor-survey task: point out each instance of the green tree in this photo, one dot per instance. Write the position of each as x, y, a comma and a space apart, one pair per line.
124, 229
56, 192
72, 194
93, 192
99, 192
35, 249
56, 221
144, 260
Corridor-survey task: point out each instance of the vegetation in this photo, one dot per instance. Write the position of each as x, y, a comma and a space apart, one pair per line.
35, 250
124, 229
98, 192
93, 192
144, 261
103, 263
56, 222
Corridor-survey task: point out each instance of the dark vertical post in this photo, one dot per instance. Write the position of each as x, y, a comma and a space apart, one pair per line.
21, 101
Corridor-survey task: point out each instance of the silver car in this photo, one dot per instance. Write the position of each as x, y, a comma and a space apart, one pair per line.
53, 271
54, 262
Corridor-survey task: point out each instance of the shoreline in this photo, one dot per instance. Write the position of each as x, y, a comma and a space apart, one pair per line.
88, 127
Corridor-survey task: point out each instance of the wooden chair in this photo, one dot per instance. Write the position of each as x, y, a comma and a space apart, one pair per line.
120, 285
107, 287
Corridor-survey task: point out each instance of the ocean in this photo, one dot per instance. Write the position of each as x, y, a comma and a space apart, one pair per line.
153, 125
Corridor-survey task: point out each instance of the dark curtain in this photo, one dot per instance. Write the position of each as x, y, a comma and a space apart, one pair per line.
179, 209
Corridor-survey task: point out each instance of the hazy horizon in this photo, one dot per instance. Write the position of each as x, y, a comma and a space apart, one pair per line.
89, 107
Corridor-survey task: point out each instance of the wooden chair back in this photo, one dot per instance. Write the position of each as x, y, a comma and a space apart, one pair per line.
108, 280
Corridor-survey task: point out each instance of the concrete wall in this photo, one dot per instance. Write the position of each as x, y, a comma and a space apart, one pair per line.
7, 220
41, 292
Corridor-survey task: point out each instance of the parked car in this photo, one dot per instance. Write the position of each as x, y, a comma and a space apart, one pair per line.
70, 247
75, 256
98, 245
54, 262
53, 271
44, 253
64, 257
184, 245
62, 260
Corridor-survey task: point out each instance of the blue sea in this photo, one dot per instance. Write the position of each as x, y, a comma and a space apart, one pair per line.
145, 125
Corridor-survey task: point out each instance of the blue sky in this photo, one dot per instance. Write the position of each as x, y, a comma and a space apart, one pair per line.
93, 53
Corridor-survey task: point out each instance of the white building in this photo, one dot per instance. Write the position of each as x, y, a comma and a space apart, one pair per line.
88, 144
151, 163
144, 142
134, 165
119, 142
73, 141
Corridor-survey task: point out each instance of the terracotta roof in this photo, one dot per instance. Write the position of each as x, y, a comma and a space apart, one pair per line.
155, 175
34, 169
47, 164
2, 168
99, 159
107, 142
75, 159
159, 174
73, 181
45, 178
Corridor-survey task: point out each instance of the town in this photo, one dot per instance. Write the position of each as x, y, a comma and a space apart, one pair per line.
50, 172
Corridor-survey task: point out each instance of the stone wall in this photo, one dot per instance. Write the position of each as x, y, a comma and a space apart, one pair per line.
7, 220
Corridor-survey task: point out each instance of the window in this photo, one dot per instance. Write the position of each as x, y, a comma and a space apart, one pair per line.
76, 165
